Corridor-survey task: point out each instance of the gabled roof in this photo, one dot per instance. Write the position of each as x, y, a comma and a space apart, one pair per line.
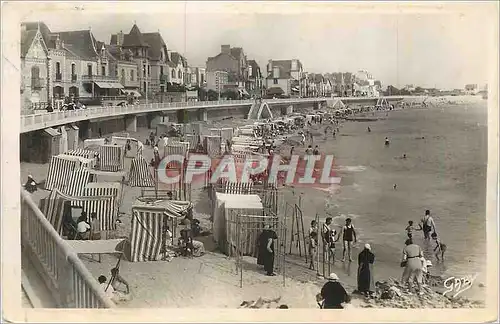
134, 38
178, 59
44, 30
27, 37
82, 43
156, 43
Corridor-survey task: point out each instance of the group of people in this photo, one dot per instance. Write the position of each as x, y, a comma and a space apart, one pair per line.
113, 289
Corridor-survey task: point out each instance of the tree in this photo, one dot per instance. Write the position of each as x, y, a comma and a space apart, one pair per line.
212, 95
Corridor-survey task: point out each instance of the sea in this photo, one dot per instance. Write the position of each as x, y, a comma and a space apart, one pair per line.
444, 171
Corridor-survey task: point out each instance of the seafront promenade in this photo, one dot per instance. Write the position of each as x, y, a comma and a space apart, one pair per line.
40, 120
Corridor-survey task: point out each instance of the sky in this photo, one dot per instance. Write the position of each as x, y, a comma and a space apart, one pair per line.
445, 45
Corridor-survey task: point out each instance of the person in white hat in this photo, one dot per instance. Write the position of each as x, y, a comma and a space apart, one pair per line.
332, 294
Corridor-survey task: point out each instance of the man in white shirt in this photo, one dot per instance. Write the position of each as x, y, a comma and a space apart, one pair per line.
83, 227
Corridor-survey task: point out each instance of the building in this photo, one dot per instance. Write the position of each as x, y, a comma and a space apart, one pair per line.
35, 71
233, 61
123, 66
217, 80
255, 79
471, 89
176, 68
199, 76
342, 84
150, 54
287, 75
77, 68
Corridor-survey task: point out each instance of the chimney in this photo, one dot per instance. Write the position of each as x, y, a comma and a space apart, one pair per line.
119, 38
225, 49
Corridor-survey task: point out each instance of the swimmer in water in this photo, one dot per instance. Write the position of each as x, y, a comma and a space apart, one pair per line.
369, 129
395, 186
404, 156
387, 141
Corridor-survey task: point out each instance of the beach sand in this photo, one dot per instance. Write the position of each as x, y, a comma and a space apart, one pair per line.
211, 280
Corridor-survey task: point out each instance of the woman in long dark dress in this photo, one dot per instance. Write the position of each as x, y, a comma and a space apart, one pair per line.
262, 246
366, 284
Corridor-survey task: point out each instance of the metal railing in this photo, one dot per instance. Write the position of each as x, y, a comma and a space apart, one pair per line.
31, 122
66, 277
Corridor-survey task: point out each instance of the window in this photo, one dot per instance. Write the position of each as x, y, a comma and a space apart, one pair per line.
173, 74
35, 77
73, 69
123, 73
275, 81
179, 74
89, 70
103, 69
161, 70
58, 68
149, 69
131, 75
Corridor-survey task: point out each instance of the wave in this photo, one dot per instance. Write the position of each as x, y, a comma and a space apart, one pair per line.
351, 168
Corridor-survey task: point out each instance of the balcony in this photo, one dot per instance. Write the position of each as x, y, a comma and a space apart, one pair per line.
104, 78
73, 78
58, 77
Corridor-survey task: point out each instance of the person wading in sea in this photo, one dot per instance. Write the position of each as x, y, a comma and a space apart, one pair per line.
348, 235
428, 225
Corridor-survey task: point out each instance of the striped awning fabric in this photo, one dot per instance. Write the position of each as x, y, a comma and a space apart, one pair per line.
106, 211
148, 223
78, 179
140, 175
112, 157
87, 154
53, 206
59, 171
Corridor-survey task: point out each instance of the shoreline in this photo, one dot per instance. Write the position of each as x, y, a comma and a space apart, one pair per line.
202, 212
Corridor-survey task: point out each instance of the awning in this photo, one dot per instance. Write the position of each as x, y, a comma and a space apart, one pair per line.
132, 92
52, 132
109, 85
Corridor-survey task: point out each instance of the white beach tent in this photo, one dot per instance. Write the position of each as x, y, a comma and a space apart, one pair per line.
226, 208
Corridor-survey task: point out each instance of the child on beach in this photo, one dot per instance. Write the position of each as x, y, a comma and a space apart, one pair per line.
440, 247
410, 228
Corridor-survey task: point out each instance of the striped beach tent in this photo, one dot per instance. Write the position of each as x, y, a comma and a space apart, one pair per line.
213, 145
146, 238
112, 157
139, 175
215, 132
193, 141
87, 154
226, 134
237, 188
59, 171
78, 179
57, 204
107, 211
181, 148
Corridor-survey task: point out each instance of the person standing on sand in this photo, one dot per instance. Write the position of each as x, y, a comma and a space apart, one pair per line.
268, 257
427, 224
412, 263
348, 235
261, 246
366, 258
333, 294
329, 239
